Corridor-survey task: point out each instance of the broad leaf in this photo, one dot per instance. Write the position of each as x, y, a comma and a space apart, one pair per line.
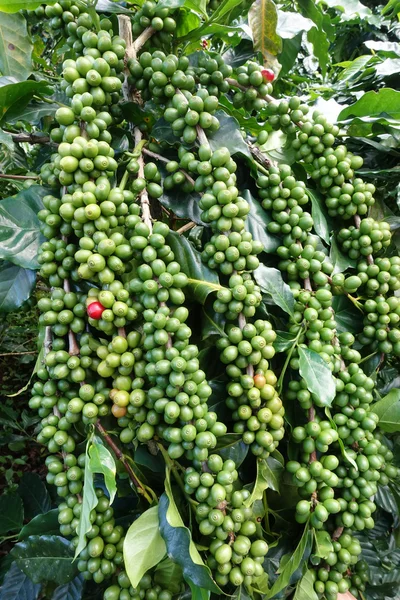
183, 205
15, 95
230, 446
34, 495
168, 575
89, 502
340, 261
18, 586
46, 558
263, 19
15, 47
323, 543
198, 593
321, 225
43, 524
256, 223
70, 591
268, 474
317, 35
20, 236
347, 316
143, 545
16, 285
305, 588
180, 546
11, 513
284, 340
291, 565
317, 375
271, 282
102, 461
388, 411
373, 104
290, 24
228, 135
202, 280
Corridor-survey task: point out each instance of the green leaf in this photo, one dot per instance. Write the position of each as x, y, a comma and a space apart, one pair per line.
290, 24
340, 261
199, 593
212, 324
70, 591
11, 513
228, 135
321, 225
202, 280
305, 588
263, 20
38, 362
34, 495
388, 411
347, 317
106, 6
143, 545
323, 543
180, 546
15, 95
168, 575
284, 340
268, 474
43, 524
102, 461
230, 446
17, 586
192, 5
20, 236
15, 47
7, 141
16, 285
317, 375
340, 441
89, 502
291, 565
271, 282
182, 204
46, 558
384, 102
256, 223
318, 35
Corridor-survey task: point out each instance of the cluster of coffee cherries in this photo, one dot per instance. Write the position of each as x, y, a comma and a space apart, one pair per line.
157, 16
147, 589
371, 237
258, 83
186, 111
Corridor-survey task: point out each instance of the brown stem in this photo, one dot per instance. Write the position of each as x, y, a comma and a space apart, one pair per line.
260, 156
166, 160
122, 332
202, 136
30, 138
186, 227
18, 177
307, 284
73, 348
337, 533
18, 353
120, 456
66, 285
48, 340
144, 197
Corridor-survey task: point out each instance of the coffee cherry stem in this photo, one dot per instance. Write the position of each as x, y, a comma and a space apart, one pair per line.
337, 533
18, 177
122, 332
261, 161
202, 136
166, 160
140, 488
171, 465
186, 227
235, 83
144, 197
279, 384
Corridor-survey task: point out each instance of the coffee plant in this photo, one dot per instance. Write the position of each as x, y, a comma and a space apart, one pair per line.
219, 296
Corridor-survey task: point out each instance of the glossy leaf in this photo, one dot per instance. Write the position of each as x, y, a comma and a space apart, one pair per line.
321, 225
16, 285
317, 35
20, 236
268, 473
202, 280
271, 282
291, 565
43, 524
34, 495
143, 545
373, 104
340, 261
179, 543
15, 46
46, 558
317, 375
257, 221
168, 575
388, 411
347, 316
18, 586
70, 591
284, 340
305, 588
323, 543
263, 20
228, 135
198, 593
182, 204
11, 513
230, 446
102, 461
89, 502
290, 24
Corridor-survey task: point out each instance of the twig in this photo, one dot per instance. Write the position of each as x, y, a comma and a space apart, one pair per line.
18, 353
30, 138
18, 177
122, 332
166, 160
337, 533
144, 197
186, 227
260, 156
202, 136
48, 340
120, 456
307, 284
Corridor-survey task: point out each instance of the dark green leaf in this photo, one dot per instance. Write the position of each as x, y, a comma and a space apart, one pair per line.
263, 19
143, 545
291, 565
373, 104
321, 225
46, 558
256, 223
386, 500
11, 513
305, 588
20, 235
199, 7
70, 591
228, 135
212, 324
15, 95
102, 461
182, 204
43, 524
271, 282
231, 446
15, 47
284, 340
388, 411
347, 316
34, 495
89, 502
144, 458
17, 586
268, 475
198, 593
317, 375
162, 131
323, 543
340, 261
16, 285
7, 141
202, 280
180, 546
317, 35
168, 575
